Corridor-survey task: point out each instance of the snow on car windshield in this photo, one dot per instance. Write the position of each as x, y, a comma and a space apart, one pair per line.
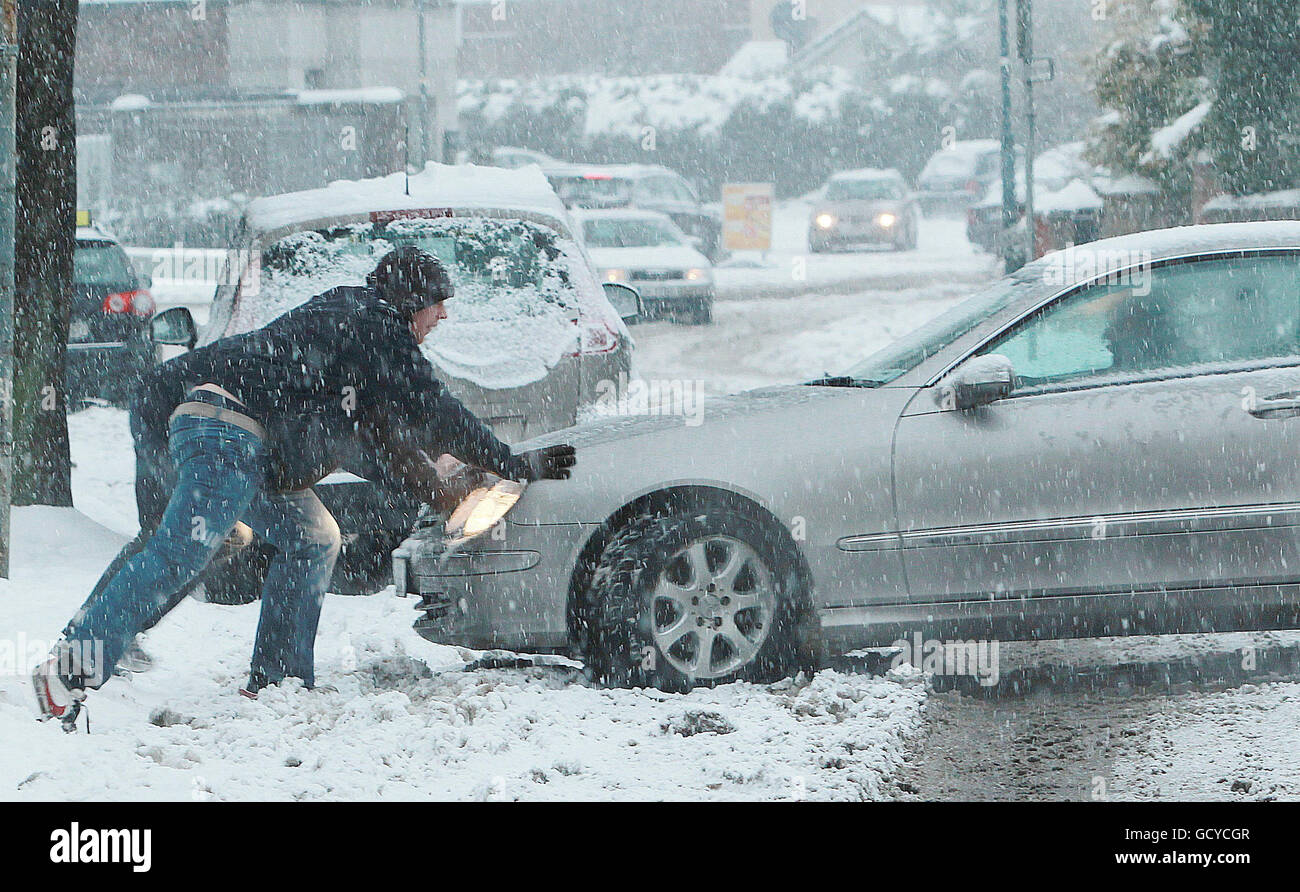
629, 234
593, 191
513, 315
862, 189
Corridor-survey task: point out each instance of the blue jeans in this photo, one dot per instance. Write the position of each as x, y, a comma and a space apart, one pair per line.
220, 479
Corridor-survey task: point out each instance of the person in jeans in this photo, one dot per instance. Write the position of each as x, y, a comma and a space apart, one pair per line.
245, 426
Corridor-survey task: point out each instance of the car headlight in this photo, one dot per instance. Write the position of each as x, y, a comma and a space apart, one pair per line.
479, 511
825, 221
698, 275
615, 275
886, 220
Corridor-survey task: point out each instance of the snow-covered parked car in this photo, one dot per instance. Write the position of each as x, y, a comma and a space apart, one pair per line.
648, 251
864, 207
529, 338
1102, 443
956, 176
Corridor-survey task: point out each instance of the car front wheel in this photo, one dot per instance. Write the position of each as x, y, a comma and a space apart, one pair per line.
682, 600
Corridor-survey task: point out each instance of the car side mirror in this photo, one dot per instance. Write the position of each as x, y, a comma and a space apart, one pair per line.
174, 328
625, 300
978, 381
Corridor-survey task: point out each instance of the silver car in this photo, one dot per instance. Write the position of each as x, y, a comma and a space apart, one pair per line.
864, 207
1102, 443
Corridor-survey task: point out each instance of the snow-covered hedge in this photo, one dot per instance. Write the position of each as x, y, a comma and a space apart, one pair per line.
793, 130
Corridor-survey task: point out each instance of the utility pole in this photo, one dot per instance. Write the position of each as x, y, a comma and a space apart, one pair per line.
1025, 33
1008, 139
8, 204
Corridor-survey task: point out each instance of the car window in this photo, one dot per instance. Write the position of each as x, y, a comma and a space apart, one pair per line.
681, 192
630, 233
863, 189
654, 189
102, 263
1171, 317
592, 190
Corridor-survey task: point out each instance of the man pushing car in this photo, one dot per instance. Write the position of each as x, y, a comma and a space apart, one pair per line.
249, 424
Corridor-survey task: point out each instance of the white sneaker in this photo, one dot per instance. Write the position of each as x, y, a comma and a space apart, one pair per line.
54, 698
134, 659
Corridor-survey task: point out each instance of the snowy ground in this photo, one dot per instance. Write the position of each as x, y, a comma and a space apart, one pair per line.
407, 720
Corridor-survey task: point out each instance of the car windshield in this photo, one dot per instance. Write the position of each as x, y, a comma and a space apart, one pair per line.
515, 304
102, 263
592, 190
867, 189
912, 349
630, 233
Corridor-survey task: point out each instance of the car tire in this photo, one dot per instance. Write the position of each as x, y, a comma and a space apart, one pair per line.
641, 629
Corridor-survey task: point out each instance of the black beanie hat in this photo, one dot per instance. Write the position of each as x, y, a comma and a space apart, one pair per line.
411, 279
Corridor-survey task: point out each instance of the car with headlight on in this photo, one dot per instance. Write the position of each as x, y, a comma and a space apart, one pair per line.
109, 347
648, 251
531, 335
1101, 443
864, 207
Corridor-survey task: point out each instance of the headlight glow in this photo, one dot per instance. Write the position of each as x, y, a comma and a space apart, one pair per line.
615, 275
482, 508
886, 220
697, 275
825, 221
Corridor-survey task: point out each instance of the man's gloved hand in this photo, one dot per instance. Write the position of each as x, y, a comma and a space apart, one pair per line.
547, 463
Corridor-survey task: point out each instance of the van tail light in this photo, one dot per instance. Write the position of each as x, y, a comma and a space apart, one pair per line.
139, 302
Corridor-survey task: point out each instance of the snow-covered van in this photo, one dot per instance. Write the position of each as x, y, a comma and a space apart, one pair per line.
529, 336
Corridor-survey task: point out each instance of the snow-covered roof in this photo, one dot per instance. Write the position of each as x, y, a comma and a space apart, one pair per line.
1074, 196
867, 173
757, 58
437, 186
622, 171
1286, 198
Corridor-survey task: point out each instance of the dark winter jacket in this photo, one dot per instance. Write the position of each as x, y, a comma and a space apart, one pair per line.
320, 379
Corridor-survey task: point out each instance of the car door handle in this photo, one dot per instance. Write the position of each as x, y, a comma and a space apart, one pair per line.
1280, 405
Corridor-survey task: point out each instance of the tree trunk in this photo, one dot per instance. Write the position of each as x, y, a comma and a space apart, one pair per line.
45, 236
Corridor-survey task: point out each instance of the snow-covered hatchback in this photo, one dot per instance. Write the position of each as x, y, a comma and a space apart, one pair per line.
528, 340
1103, 443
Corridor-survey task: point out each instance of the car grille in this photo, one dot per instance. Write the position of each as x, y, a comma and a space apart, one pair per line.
657, 275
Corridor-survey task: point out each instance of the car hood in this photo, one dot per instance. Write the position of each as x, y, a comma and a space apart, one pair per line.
661, 256
775, 445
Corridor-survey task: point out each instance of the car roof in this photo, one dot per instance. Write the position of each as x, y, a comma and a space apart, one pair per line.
581, 214
459, 187
618, 171
1113, 254
868, 173
93, 233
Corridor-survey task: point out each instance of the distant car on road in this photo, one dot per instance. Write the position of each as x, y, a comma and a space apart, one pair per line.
109, 344
531, 334
960, 175
864, 207
1102, 443
648, 251
644, 187
513, 157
